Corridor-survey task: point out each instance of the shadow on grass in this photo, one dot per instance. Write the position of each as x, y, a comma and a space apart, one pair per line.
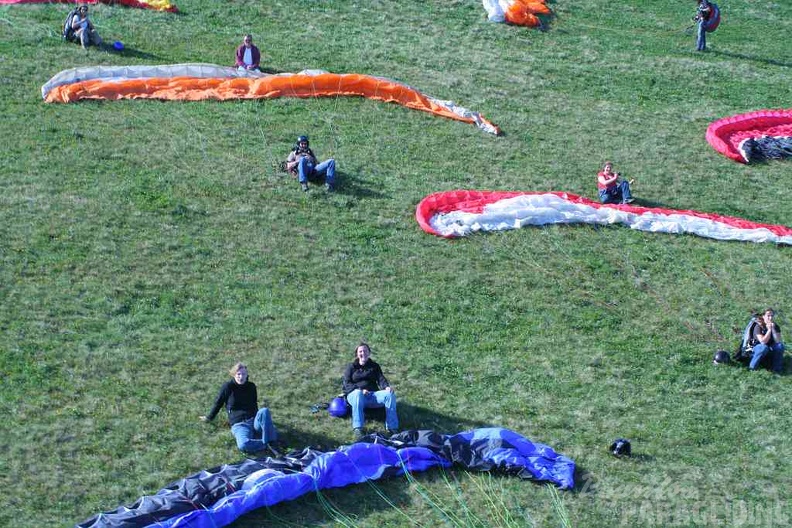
295, 439
415, 417
771, 62
350, 184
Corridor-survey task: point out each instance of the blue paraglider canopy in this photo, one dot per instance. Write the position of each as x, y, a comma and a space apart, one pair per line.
218, 496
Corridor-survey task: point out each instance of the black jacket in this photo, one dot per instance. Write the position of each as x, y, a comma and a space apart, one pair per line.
241, 401
368, 377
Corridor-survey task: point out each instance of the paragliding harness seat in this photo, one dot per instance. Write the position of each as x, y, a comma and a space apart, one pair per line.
744, 351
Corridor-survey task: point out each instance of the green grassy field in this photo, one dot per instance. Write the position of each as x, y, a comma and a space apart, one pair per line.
147, 246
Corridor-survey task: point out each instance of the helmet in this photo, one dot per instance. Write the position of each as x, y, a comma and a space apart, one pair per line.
721, 357
300, 139
621, 447
338, 407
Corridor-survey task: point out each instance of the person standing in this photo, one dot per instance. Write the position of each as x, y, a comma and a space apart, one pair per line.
767, 335
366, 386
706, 19
252, 427
611, 189
248, 55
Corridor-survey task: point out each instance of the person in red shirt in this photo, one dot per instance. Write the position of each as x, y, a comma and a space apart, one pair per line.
611, 188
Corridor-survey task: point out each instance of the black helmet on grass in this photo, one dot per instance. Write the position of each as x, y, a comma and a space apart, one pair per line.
621, 447
721, 357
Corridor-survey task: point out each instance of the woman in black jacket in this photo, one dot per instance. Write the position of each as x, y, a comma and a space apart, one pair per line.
366, 386
252, 427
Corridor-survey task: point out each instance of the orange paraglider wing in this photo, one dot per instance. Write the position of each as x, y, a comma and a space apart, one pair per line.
198, 82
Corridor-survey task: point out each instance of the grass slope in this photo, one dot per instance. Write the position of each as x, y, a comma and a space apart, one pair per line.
146, 246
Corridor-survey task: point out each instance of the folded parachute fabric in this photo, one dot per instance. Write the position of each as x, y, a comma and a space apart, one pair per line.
218, 496
197, 82
755, 136
159, 5
459, 213
518, 12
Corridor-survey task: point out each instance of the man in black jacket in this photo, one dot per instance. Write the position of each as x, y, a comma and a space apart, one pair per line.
366, 386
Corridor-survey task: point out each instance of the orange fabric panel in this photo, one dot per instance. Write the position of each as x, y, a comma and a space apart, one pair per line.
523, 12
269, 87
519, 14
537, 8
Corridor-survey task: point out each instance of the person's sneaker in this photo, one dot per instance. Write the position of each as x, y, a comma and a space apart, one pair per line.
629, 200
304, 187
328, 187
359, 433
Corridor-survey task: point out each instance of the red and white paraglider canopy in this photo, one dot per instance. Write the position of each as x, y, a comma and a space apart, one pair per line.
459, 213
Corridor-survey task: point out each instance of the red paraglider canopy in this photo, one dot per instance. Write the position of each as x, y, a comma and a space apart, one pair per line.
726, 135
159, 5
459, 213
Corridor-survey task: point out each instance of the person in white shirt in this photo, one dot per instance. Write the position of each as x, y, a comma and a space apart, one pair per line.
248, 55
83, 28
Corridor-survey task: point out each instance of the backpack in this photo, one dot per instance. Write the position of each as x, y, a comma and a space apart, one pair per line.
745, 348
714, 19
68, 33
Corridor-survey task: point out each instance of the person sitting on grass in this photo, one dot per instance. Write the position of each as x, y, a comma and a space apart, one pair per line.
252, 427
248, 55
611, 188
302, 163
767, 336
366, 386
83, 29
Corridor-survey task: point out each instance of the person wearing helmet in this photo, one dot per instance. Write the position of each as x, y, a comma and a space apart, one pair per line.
252, 427
611, 189
703, 14
366, 386
248, 55
767, 335
83, 29
302, 163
